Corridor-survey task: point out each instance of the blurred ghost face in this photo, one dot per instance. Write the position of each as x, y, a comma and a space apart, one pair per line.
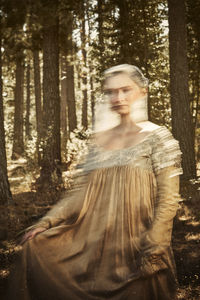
121, 92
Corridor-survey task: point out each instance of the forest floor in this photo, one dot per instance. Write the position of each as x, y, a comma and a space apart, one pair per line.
30, 205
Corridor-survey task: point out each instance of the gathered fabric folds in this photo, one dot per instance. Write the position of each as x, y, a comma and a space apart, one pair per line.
110, 236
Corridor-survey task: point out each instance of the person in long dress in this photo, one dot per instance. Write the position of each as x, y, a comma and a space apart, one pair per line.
109, 237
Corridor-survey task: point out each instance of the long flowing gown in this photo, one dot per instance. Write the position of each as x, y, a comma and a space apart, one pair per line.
110, 236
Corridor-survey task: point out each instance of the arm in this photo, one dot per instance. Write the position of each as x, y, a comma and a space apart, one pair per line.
67, 209
166, 163
158, 237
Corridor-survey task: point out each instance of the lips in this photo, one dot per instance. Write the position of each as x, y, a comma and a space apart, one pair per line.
118, 106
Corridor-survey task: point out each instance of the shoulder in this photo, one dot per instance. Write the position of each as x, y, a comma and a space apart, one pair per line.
160, 132
148, 126
166, 150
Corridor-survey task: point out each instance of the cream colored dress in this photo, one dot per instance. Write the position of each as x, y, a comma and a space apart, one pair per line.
110, 236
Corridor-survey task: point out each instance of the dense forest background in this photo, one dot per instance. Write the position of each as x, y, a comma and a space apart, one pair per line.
53, 54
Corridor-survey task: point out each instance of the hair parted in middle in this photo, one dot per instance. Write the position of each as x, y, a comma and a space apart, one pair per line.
132, 71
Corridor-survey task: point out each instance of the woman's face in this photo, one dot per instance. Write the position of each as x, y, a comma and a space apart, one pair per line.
122, 91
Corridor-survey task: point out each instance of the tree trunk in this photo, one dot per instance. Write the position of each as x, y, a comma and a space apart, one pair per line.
50, 171
101, 46
124, 32
92, 96
84, 72
146, 51
71, 104
91, 81
18, 141
5, 194
182, 126
27, 120
38, 102
63, 114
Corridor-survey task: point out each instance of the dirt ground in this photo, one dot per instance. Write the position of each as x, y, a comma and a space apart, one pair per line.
30, 205
186, 242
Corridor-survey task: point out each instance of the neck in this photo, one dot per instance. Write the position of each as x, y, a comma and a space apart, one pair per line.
127, 123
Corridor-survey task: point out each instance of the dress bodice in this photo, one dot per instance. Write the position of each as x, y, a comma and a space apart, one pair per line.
157, 150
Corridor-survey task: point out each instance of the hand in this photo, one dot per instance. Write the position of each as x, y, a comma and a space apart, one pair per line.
31, 234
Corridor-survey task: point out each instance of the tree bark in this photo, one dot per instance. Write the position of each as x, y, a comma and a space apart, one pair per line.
5, 194
38, 102
146, 51
84, 72
71, 104
91, 68
182, 126
50, 171
63, 115
100, 5
124, 32
27, 120
18, 141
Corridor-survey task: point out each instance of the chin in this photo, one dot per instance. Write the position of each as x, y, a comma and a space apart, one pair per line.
121, 110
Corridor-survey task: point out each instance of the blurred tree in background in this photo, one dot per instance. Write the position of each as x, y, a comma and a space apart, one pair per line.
5, 194
182, 125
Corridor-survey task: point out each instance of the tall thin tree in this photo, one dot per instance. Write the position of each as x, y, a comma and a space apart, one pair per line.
63, 114
50, 172
28, 100
84, 73
5, 194
18, 139
71, 103
38, 100
182, 125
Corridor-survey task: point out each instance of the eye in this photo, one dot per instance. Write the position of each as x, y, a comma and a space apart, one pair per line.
127, 90
108, 92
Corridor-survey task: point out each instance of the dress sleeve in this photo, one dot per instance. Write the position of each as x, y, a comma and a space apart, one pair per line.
166, 162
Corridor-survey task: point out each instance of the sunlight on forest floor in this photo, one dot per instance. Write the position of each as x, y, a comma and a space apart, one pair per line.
30, 205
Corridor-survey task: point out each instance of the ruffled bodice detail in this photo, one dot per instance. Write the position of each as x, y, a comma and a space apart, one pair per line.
158, 150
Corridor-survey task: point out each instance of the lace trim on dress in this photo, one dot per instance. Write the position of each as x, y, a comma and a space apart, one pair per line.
98, 158
159, 148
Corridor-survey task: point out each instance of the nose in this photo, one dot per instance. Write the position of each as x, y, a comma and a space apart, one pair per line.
118, 96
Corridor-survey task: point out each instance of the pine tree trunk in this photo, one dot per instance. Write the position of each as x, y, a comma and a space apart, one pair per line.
18, 141
5, 194
146, 51
196, 111
91, 81
27, 120
124, 32
38, 102
71, 104
182, 126
84, 73
92, 97
50, 171
63, 114
101, 47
